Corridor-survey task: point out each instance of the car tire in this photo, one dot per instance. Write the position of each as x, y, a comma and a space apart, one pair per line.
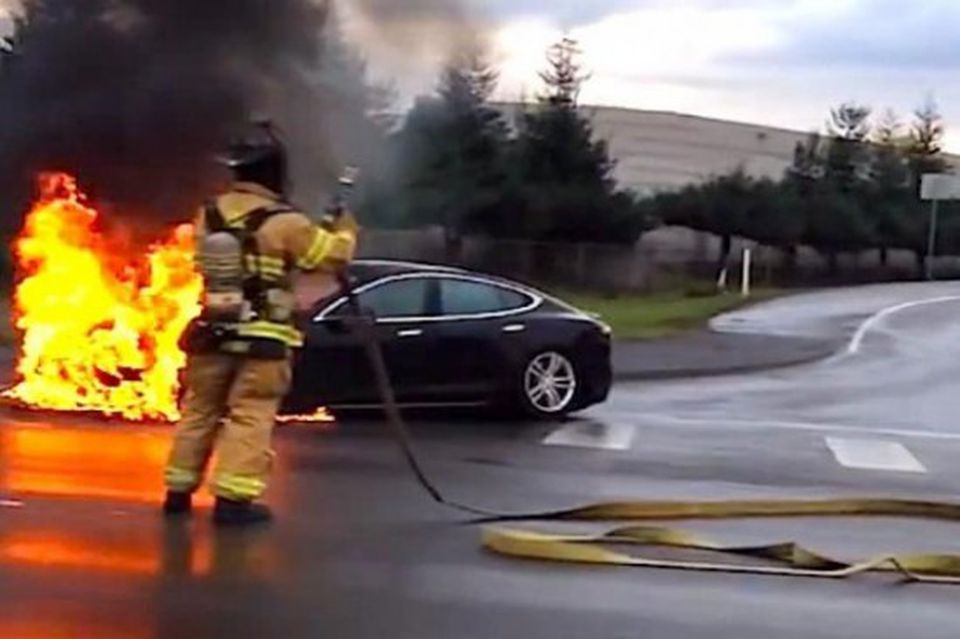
549, 386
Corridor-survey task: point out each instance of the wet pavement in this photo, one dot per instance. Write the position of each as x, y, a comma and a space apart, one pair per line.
358, 551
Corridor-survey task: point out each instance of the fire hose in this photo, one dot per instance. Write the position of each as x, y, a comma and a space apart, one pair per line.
780, 559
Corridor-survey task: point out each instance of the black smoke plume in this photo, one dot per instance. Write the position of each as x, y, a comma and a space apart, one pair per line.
135, 97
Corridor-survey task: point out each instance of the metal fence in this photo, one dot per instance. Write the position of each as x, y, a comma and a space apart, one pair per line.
574, 265
659, 261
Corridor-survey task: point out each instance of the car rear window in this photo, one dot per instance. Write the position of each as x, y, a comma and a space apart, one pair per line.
461, 297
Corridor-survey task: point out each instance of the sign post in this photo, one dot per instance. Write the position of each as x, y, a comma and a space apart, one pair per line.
936, 188
745, 282
932, 238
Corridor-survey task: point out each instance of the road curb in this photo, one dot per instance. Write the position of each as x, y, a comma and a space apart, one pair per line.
803, 351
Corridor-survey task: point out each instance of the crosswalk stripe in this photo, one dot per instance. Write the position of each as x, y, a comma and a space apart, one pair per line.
874, 454
592, 435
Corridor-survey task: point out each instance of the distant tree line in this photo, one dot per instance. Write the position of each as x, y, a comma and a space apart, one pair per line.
855, 189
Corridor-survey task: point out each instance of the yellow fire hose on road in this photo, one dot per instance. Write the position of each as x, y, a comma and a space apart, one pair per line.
791, 559
794, 560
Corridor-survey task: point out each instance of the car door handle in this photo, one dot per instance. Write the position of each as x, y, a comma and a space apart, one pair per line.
514, 328
413, 332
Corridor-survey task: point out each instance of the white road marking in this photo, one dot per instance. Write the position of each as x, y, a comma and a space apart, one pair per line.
856, 344
874, 454
593, 435
10, 503
804, 426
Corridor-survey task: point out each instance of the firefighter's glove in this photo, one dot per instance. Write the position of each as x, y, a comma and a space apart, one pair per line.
346, 223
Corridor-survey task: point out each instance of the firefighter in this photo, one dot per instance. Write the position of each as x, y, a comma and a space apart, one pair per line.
251, 245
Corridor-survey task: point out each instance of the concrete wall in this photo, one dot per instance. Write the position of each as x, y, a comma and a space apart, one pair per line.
657, 151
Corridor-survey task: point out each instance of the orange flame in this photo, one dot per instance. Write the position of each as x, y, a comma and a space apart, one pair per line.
321, 416
100, 323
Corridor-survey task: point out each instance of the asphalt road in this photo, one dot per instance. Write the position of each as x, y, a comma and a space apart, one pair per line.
360, 552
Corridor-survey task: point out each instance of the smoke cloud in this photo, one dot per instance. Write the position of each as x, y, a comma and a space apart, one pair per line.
411, 40
414, 25
135, 97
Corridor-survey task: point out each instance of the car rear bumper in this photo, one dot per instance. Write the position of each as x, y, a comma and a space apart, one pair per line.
596, 372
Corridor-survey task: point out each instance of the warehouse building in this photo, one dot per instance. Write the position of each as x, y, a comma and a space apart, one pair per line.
658, 150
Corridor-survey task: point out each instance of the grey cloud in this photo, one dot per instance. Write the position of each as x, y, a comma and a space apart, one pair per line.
578, 12
566, 12
883, 34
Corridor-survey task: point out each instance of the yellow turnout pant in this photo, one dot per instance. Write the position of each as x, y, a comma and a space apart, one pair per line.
231, 402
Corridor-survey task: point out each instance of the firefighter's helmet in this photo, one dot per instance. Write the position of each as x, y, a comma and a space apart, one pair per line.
259, 156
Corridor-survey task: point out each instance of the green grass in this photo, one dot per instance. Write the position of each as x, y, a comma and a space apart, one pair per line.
662, 314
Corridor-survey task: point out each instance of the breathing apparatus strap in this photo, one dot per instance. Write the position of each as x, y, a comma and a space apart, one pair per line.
253, 222
212, 218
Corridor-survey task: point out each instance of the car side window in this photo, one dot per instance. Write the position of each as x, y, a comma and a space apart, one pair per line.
399, 299
461, 297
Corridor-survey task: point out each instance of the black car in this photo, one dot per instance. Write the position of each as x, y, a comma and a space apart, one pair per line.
453, 338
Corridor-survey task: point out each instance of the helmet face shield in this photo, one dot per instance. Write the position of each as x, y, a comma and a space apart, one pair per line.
241, 154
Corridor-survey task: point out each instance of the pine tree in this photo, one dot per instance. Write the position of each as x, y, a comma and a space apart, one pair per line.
453, 147
565, 175
925, 147
924, 156
888, 189
564, 76
827, 181
847, 152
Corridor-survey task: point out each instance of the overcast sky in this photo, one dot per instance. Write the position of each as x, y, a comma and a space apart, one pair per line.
778, 62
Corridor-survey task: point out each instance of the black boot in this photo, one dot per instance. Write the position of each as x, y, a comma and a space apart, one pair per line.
230, 512
177, 504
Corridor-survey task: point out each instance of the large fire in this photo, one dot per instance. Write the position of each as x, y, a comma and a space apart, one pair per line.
100, 320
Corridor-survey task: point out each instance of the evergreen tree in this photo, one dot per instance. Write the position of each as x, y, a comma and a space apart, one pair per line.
828, 180
564, 76
564, 175
925, 155
925, 147
888, 190
726, 201
847, 154
774, 217
453, 147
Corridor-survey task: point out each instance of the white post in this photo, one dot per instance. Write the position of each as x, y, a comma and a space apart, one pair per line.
722, 280
747, 269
